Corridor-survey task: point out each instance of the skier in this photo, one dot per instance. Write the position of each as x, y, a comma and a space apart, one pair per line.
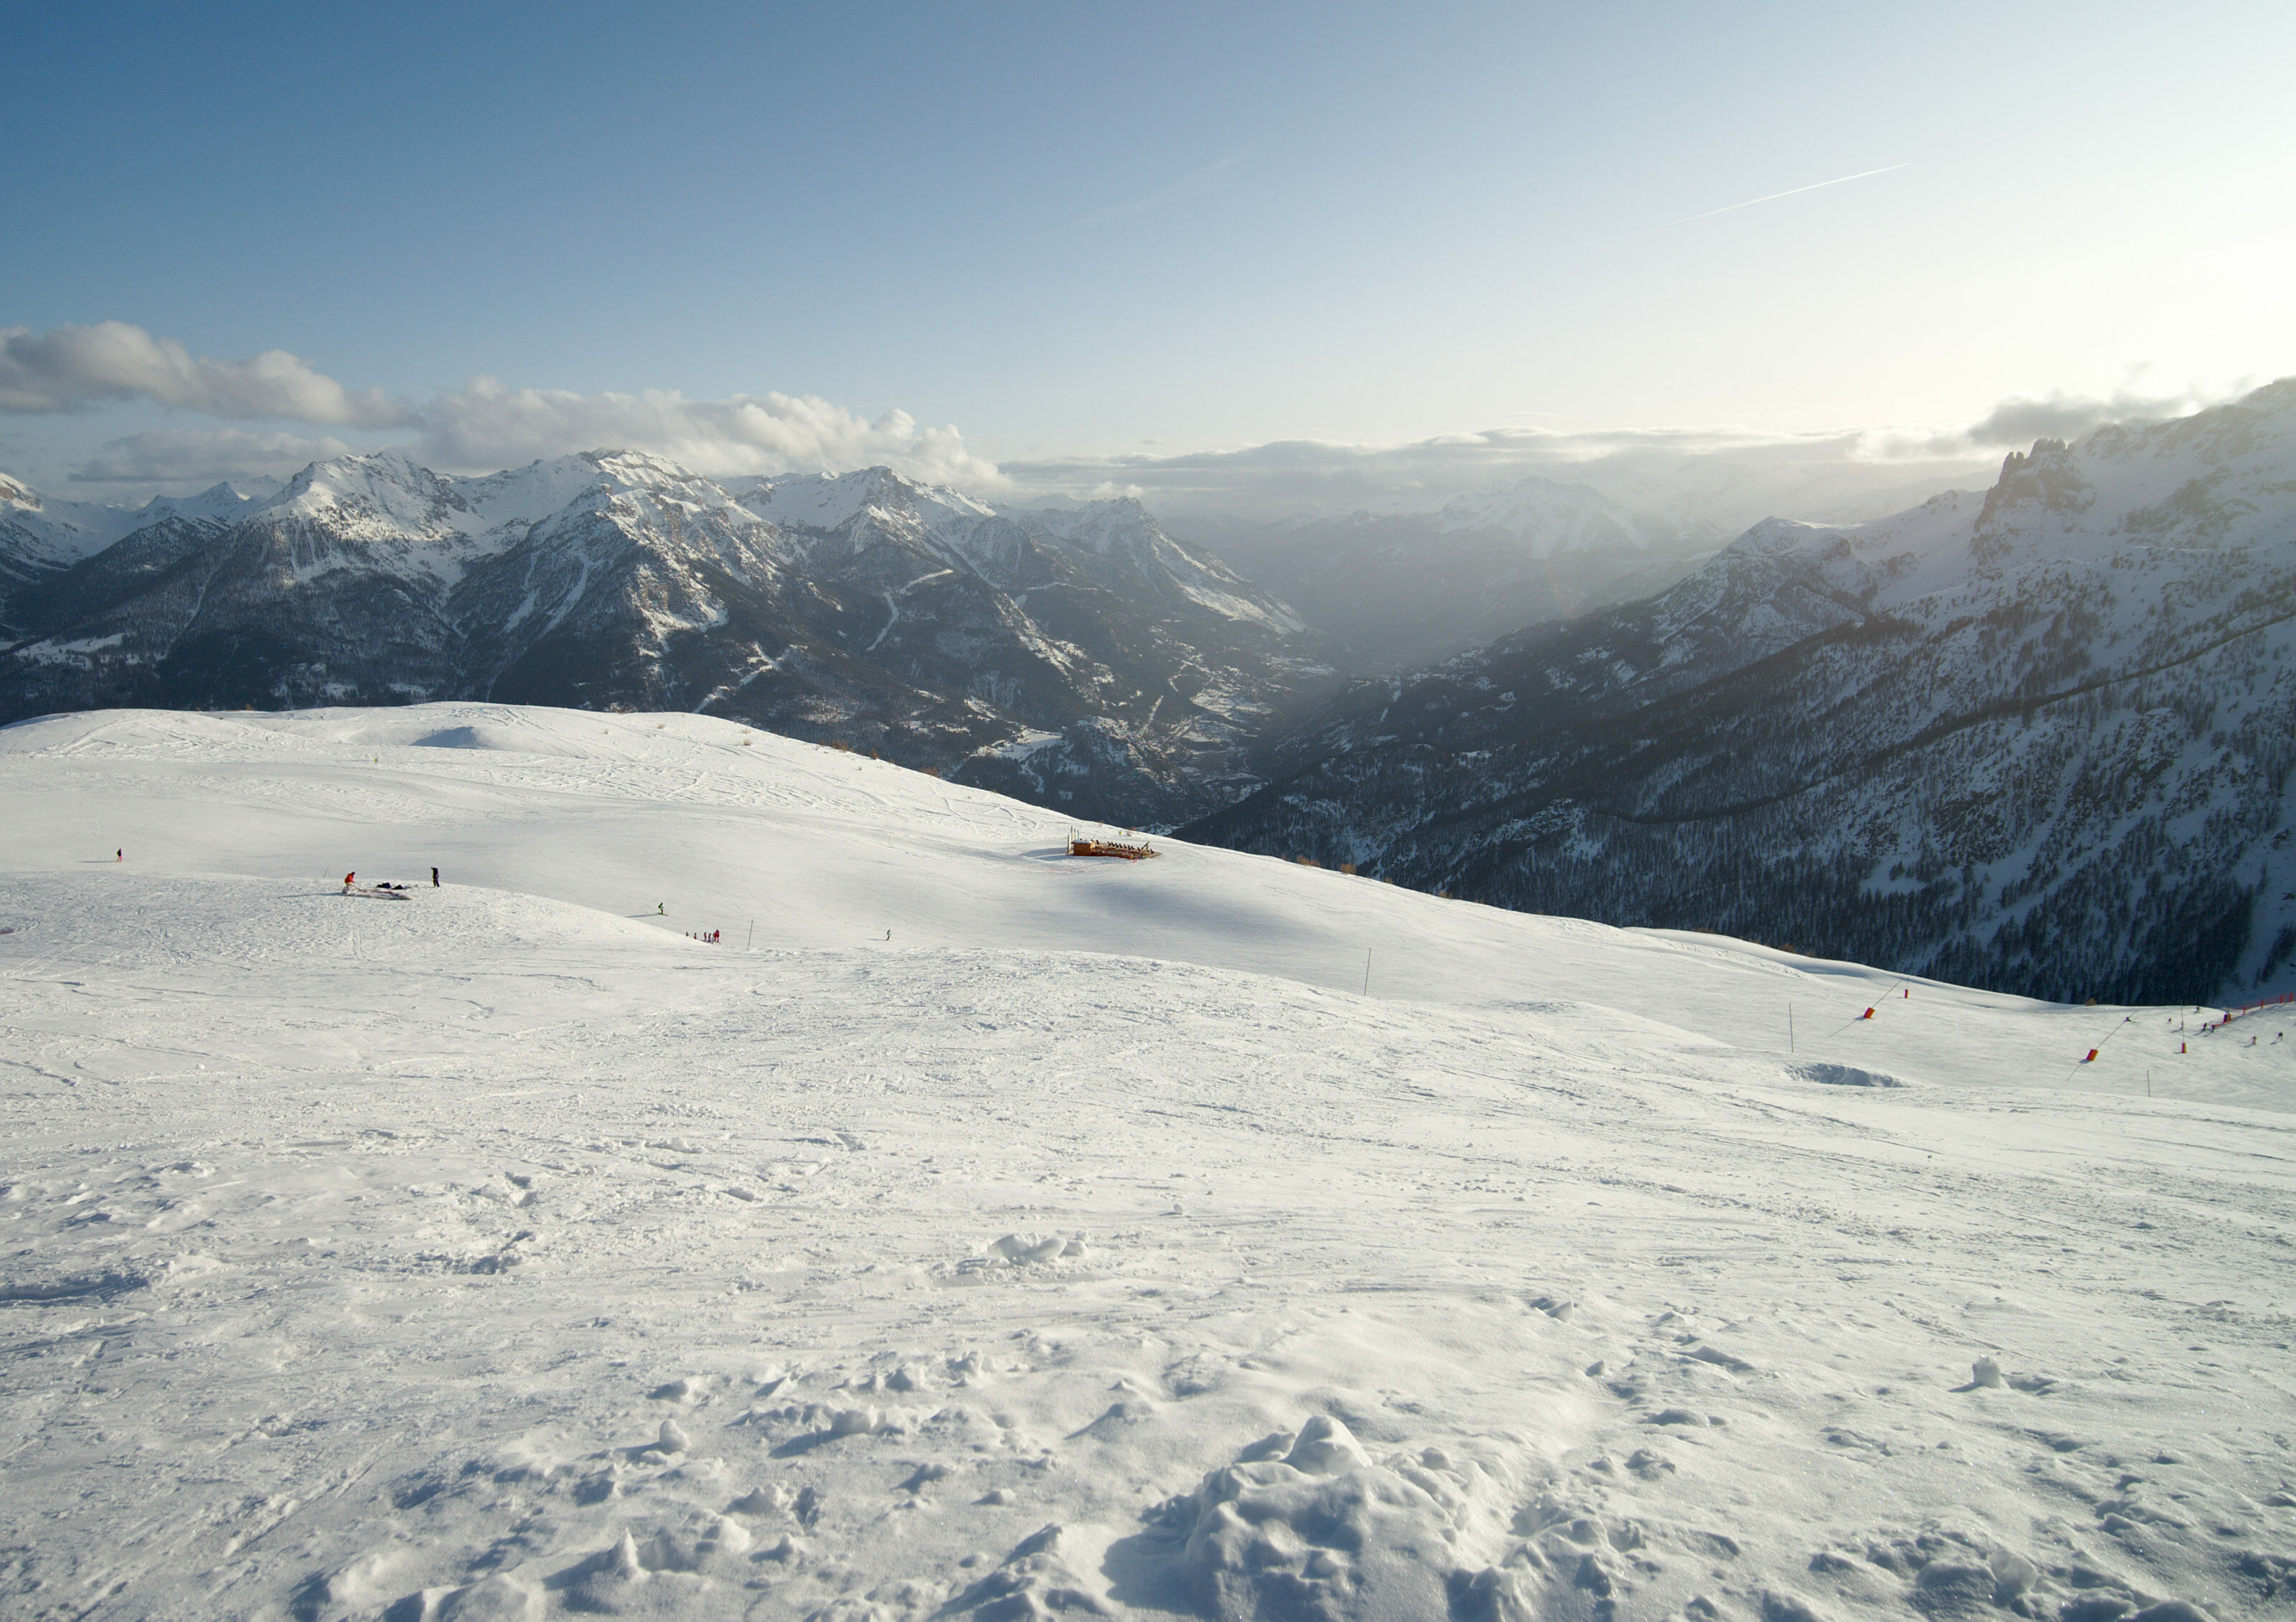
658, 907
120, 854
348, 878
434, 878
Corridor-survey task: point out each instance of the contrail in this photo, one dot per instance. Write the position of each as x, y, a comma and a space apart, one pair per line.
1798, 191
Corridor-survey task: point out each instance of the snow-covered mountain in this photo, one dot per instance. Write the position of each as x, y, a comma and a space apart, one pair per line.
40, 538
1078, 657
1400, 587
2037, 739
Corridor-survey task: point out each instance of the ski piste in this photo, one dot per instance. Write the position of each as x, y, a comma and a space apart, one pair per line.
1095, 1243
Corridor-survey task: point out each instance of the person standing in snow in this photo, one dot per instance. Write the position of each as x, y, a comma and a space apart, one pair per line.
434, 878
120, 854
347, 878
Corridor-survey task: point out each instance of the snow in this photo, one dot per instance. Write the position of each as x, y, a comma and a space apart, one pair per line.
382, 513
59, 534
530, 494
827, 500
1006, 1234
970, 533
2215, 483
74, 650
1124, 526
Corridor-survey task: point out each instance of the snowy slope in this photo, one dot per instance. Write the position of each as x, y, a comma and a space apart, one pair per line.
1007, 1233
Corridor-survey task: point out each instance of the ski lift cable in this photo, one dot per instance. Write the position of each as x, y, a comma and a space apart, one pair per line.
2090, 1058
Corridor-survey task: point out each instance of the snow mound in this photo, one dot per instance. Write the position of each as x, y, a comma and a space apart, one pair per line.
1323, 1532
1843, 1075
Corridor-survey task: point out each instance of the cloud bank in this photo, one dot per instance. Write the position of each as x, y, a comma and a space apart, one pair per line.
485, 425
70, 368
2018, 420
1717, 476
481, 427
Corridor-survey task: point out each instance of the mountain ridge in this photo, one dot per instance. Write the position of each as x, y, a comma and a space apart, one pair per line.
2037, 739
1081, 656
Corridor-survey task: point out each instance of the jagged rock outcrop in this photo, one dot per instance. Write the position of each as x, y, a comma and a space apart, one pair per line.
2038, 739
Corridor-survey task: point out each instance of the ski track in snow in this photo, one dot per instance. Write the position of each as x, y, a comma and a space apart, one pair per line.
1093, 1244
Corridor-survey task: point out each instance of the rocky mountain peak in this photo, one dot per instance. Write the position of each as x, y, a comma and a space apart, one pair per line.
1082, 658
831, 500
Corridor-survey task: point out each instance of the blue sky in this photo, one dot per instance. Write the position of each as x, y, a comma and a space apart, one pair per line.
1092, 231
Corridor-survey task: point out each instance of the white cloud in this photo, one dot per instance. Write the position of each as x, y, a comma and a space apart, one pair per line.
2020, 421
481, 427
175, 456
1714, 476
68, 367
486, 425
2017, 421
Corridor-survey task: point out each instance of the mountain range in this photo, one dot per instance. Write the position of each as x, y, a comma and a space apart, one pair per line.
1078, 657
2036, 738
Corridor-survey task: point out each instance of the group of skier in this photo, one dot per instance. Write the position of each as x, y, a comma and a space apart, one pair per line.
350, 882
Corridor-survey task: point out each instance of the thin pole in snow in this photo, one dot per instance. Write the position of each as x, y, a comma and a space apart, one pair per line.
753, 936
1367, 972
